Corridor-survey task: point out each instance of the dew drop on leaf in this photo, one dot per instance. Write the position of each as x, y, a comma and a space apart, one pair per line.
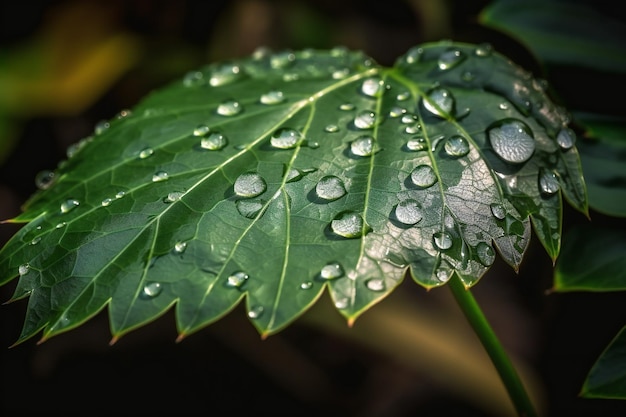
348, 224
330, 188
160, 176
416, 143
548, 182
145, 153
486, 254
36, 240
151, 290
341, 73
408, 212
373, 87
120, 194
403, 96
101, 126
566, 138
341, 303
285, 138
60, 225
409, 118
249, 184
375, 284
512, 141
201, 130
272, 97
106, 202
193, 78
282, 59
23, 269
440, 102
450, 59
443, 275
214, 142
414, 55
255, 312
397, 111
456, 146
173, 196
179, 247
423, 176
362, 146
44, 179
229, 108
237, 279
483, 50
365, 120
442, 240
346, 107
69, 205
249, 208
498, 211
331, 271
306, 285
225, 74
412, 129
332, 128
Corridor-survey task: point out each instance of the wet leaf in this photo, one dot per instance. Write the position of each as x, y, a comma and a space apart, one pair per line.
607, 377
277, 176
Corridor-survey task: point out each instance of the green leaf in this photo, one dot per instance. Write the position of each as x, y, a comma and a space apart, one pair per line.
592, 259
607, 377
274, 177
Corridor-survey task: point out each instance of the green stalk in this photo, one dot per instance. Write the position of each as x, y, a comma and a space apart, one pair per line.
494, 348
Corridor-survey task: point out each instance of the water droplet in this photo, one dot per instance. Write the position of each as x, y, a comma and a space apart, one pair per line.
306, 285
120, 194
160, 176
330, 188
23, 269
68, 205
566, 138
408, 212
35, 240
272, 97
486, 254
180, 247
249, 184
341, 73
512, 141
348, 224
346, 107
373, 87
173, 196
107, 201
44, 179
416, 143
423, 176
285, 138
498, 211
331, 271
413, 55
397, 111
443, 275
282, 59
375, 284
456, 146
101, 126
503, 106
409, 119
405, 95
249, 208
237, 279
123, 114
548, 182
255, 312
362, 146
225, 74
442, 240
467, 76
201, 130
61, 225
145, 153
483, 50
331, 128
450, 59
439, 102
214, 142
229, 108
193, 78
365, 119
261, 52
341, 303
152, 289
412, 129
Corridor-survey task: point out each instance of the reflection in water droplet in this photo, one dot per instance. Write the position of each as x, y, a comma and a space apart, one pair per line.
201, 130
365, 119
272, 97
456, 146
416, 143
330, 188
249, 184
348, 224
145, 153
44, 179
486, 254
160, 176
214, 142
255, 312
375, 284
331, 271
249, 208
285, 138
512, 141
180, 247
237, 279
306, 285
440, 102
151, 290
68, 205
423, 176
373, 87
408, 212
225, 74
229, 108
548, 182
566, 138
498, 211
362, 146
442, 240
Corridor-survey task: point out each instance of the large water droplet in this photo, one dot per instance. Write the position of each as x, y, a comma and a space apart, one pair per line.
249, 184
373, 87
423, 176
450, 59
229, 108
365, 119
249, 208
152, 289
255, 312
145, 153
566, 138
214, 142
512, 141
416, 143
68, 205
225, 74
44, 179
330, 188
408, 212
486, 254
348, 224
439, 102
160, 176
362, 146
456, 146
331, 271
442, 240
237, 279
548, 182
272, 97
285, 138
498, 211
375, 284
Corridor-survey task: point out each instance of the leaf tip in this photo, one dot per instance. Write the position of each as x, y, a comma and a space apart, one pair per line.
180, 337
351, 321
113, 340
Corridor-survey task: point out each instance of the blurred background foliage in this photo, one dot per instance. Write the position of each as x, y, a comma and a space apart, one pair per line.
67, 64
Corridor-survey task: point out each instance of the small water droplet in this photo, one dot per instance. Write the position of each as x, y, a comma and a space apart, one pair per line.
341, 303
450, 59
237, 279
331, 128
373, 87
548, 182
423, 176
348, 224
35, 240
249, 184
201, 130
503, 106
123, 114
409, 118
306, 285
512, 140
68, 205
405, 95
214, 142
160, 176
408, 212
193, 78
285, 138
282, 59
498, 211
120, 194
442, 240
397, 111
483, 50
346, 107
152, 289
101, 126
107, 201
413, 55
332, 270
440, 102
443, 275
456, 146
145, 153
23, 269
179, 247
330, 188
341, 73
44, 179
255, 312
416, 143
566, 138
173, 196
362, 146
225, 74
272, 97
61, 225
229, 108
486, 254
249, 208
375, 284
365, 119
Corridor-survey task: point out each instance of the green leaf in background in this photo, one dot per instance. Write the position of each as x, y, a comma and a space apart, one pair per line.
274, 177
607, 377
563, 32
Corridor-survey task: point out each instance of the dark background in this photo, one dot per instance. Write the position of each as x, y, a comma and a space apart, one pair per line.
308, 369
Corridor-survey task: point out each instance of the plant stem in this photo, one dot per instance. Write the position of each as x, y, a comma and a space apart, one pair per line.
494, 348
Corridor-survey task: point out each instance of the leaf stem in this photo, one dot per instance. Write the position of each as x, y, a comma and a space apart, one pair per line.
494, 348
